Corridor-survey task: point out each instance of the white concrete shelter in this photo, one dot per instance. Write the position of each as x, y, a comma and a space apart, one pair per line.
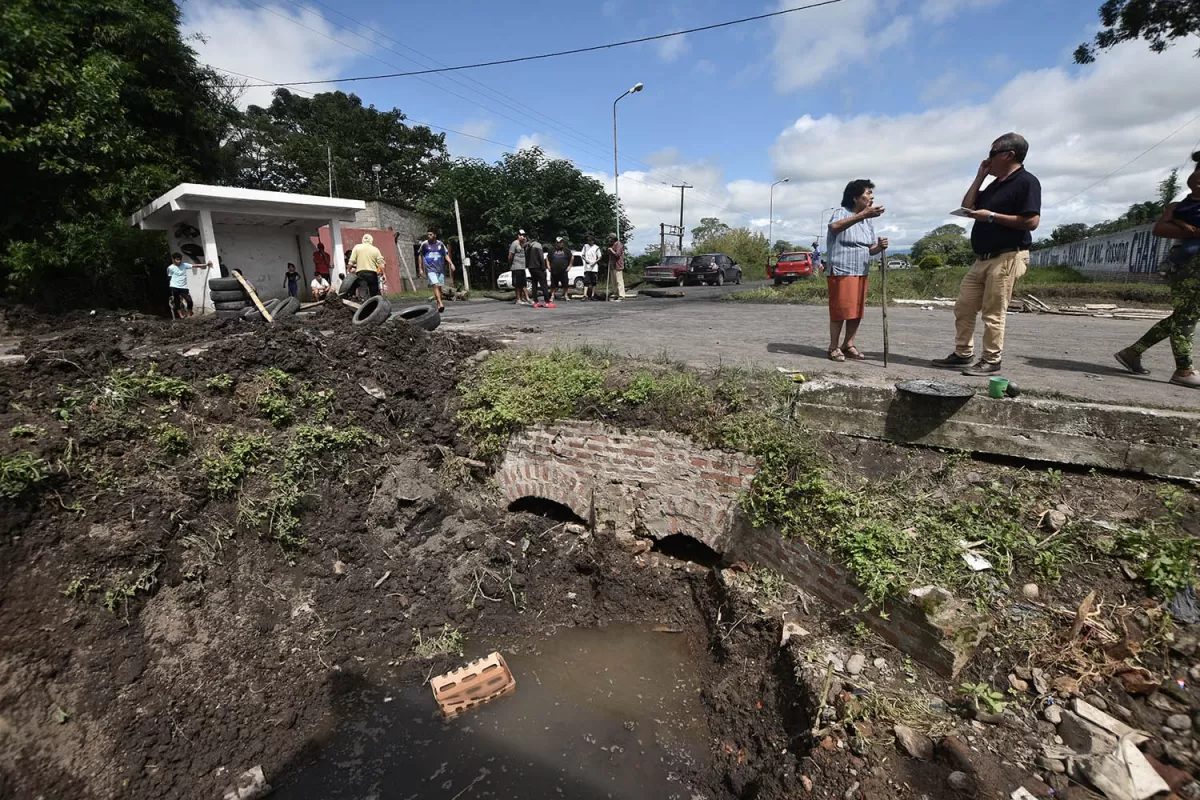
251, 230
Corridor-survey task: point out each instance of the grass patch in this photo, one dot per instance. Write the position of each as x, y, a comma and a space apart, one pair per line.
20, 472
236, 456
26, 431
1048, 283
171, 439
222, 384
448, 643
122, 388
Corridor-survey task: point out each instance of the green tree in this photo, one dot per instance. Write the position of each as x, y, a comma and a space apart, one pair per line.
748, 248
548, 197
784, 246
1168, 189
289, 146
1068, 233
102, 107
1159, 22
949, 242
709, 228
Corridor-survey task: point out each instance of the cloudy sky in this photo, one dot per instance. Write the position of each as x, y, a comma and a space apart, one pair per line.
908, 93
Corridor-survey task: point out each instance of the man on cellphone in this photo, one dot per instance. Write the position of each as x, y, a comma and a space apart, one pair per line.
1006, 213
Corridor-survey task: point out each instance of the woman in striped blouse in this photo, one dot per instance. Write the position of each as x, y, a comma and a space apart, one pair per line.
852, 242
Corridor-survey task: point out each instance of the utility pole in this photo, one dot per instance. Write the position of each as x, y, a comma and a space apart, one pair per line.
662, 240
462, 249
329, 158
682, 187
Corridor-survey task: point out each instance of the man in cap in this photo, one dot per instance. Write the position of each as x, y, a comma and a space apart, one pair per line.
516, 263
591, 268
616, 266
367, 263
538, 266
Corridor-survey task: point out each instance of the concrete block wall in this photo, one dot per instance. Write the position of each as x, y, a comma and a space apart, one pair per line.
651, 483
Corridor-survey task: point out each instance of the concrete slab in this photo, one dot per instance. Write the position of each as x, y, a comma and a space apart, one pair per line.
1155, 442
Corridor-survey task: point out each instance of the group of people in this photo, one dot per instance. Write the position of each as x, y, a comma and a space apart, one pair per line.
532, 268
1006, 212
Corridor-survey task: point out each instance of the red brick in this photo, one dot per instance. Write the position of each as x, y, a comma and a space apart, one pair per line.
641, 453
700, 462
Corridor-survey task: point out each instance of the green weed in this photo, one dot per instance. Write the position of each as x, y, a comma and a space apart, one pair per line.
19, 472
122, 591
222, 383
278, 377
68, 403
238, 454
80, 587
1165, 560
122, 388
27, 431
983, 693
448, 643
171, 439
276, 407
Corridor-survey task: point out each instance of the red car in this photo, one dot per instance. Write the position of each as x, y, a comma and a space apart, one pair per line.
790, 267
669, 271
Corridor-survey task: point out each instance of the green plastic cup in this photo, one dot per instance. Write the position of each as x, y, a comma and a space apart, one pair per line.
997, 387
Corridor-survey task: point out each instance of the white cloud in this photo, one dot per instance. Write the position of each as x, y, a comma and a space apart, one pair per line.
259, 42
850, 33
938, 11
1081, 125
673, 48
469, 147
949, 86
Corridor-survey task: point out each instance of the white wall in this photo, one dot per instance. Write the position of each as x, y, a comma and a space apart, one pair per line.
1132, 252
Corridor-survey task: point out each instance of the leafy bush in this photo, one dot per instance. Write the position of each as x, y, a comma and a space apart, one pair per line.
20, 471
931, 262
171, 439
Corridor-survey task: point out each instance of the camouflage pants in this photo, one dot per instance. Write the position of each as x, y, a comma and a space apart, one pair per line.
1181, 325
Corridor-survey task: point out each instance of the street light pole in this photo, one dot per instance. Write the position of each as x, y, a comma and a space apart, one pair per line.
616, 173
771, 224
824, 226
377, 168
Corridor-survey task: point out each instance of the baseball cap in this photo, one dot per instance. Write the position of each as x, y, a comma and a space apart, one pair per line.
559, 239
520, 233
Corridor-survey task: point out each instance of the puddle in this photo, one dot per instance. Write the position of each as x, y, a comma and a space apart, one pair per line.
608, 712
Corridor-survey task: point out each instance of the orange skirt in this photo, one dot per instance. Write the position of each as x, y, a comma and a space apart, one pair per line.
847, 297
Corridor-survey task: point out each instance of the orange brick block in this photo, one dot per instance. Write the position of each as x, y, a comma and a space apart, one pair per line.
479, 682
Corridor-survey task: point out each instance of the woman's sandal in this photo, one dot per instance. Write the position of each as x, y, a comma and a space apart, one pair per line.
853, 352
836, 355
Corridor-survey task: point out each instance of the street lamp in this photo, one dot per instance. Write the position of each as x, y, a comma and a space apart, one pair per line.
771, 224
377, 168
824, 225
637, 87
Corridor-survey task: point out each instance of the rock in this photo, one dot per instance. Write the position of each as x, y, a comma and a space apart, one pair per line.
1190, 791
836, 660
1017, 684
1039, 682
1051, 764
960, 781
806, 782
1162, 703
1030, 591
855, 664
975, 479
1065, 510
1098, 701
1179, 722
339, 568
791, 630
1175, 777
851, 792
1083, 737
1185, 644
1053, 714
575, 528
958, 752
1066, 685
1023, 673
916, 744
880, 664
1194, 673
1053, 521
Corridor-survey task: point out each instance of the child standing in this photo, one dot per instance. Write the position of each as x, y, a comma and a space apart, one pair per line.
292, 279
180, 296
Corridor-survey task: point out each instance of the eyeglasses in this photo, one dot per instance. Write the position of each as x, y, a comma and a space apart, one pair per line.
994, 153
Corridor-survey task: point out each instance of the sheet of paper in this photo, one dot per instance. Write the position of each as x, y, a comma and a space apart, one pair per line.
961, 212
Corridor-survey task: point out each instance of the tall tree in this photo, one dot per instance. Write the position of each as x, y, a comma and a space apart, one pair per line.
289, 145
1169, 188
709, 228
102, 107
949, 242
748, 248
524, 190
1159, 22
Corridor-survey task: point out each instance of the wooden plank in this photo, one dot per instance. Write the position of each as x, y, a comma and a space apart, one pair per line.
253, 295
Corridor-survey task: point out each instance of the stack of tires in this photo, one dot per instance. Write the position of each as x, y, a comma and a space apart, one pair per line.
230, 300
228, 297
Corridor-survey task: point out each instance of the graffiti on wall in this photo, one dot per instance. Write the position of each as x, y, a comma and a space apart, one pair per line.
1136, 250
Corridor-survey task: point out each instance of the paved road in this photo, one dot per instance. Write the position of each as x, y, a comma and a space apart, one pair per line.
1071, 356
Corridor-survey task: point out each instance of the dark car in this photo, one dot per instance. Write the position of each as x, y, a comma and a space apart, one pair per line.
717, 269
791, 266
670, 270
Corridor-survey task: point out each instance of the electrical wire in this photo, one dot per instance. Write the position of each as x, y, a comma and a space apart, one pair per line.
521, 59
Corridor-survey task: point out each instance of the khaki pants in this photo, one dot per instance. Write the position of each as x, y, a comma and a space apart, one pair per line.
987, 288
619, 276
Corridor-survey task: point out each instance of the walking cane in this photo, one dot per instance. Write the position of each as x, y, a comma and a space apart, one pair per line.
883, 287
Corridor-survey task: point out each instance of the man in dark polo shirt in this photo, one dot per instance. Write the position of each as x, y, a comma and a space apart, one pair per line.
1006, 213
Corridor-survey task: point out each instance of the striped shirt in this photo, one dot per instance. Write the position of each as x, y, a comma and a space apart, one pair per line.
848, 252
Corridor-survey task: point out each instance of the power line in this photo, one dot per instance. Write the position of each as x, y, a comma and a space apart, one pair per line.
576, 51
1130, 161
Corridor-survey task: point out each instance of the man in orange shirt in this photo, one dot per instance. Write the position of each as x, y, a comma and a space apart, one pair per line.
321, 261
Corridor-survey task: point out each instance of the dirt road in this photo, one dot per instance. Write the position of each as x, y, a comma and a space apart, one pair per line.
1070, 356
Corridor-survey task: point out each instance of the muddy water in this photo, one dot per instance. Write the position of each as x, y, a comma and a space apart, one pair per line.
608, 712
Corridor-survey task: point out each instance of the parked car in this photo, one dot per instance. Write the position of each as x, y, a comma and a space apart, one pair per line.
790, 267
574, 274
713, 268
896, 263
669, 271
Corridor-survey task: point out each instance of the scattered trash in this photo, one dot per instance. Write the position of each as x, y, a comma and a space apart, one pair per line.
1183, 606
791, 629
1021, 793
250, 785
339, 567
372, 388
379, 582
479, 682
974, 560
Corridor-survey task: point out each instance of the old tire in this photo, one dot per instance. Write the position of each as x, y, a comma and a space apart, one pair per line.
236, 305
253, 313
227, 295
426, 316
373, 312
224, 285
720, 277
286, 308
347, 284
578, 284
681, 281
231, 314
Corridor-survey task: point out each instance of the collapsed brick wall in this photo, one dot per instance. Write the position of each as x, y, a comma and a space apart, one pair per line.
646, 483
655, 484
